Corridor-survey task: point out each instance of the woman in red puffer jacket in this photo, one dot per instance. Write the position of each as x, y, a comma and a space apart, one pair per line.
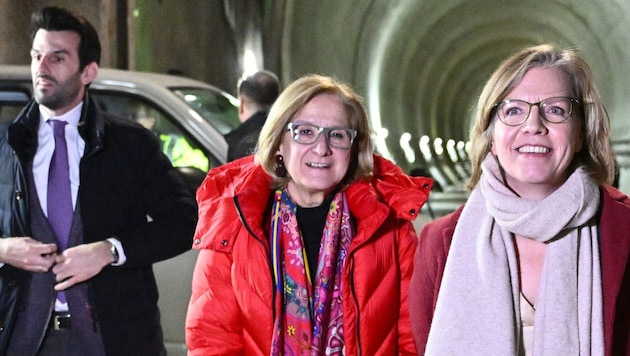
307, 249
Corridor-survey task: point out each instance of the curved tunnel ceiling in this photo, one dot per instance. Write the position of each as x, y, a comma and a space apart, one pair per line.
421, 64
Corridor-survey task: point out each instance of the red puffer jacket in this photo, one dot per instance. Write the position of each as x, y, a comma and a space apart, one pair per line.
231, 308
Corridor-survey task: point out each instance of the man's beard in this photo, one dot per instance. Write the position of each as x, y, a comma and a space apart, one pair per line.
61, 95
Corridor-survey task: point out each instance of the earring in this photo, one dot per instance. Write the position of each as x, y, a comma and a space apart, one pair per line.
281, 170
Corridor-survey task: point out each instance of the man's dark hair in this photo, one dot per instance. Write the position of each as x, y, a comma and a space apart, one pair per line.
261, 87
60, 19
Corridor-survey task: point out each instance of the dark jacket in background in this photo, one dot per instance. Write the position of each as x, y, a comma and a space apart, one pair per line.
128, 190
242, 140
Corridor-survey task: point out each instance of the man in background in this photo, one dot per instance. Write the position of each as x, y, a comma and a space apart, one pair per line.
88, 202
256, 94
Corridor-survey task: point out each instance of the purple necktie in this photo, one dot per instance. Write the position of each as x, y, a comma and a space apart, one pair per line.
59, 194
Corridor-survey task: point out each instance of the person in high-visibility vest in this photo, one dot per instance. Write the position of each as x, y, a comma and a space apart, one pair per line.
175, 146
181, 153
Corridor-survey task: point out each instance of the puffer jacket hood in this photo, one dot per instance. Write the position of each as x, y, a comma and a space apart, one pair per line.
402, 193
243, 184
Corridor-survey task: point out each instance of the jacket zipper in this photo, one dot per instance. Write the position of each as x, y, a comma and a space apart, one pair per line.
267, 253
356, 305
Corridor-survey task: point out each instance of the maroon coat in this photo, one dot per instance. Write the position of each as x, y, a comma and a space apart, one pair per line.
435, 241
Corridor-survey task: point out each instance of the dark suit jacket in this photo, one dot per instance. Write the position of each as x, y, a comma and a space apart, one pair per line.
242, 140
614, 234
130, 191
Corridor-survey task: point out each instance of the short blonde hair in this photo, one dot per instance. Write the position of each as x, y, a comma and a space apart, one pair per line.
292, 100
596, 155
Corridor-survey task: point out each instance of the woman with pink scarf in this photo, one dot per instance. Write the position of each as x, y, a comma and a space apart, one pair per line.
536, 262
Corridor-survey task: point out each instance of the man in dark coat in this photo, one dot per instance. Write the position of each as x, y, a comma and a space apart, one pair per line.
256, 94
90, 291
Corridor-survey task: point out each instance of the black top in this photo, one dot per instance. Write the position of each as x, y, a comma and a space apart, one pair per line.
311, 222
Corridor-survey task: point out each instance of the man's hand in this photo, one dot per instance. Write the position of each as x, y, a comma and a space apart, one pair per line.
27, 254
80, 263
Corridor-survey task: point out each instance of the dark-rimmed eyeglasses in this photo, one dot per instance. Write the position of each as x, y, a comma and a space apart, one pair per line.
555, 110
337, 137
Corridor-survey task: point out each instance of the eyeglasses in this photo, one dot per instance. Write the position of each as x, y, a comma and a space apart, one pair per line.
337, 137
554, 110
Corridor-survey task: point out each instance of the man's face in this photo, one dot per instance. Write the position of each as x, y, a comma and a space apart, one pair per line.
58, 85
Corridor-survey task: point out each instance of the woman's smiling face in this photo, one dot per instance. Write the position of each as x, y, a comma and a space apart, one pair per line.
536, 155
316, 169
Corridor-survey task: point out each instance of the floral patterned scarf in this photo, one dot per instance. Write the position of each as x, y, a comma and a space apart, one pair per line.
308, 323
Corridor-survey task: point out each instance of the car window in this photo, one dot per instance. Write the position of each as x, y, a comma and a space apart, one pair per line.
217, 109
12, 101
180, 147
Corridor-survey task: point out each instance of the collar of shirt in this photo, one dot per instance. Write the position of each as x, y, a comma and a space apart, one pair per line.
72, 117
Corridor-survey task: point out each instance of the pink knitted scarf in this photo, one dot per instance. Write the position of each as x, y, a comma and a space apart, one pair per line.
477, 311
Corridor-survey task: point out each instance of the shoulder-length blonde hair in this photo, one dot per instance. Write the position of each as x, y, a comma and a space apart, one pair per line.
596, 155
291, 101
